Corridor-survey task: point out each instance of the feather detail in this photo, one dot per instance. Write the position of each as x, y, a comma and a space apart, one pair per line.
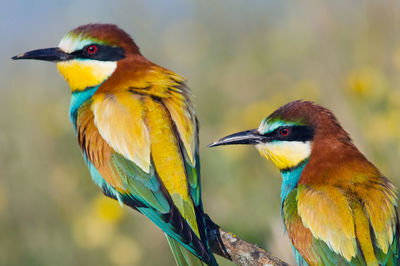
363, 234
168, 159
326, 212
119, 118
94, 147
185, 121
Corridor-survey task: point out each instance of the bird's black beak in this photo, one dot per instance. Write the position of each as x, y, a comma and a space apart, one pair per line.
244, 137
47, 54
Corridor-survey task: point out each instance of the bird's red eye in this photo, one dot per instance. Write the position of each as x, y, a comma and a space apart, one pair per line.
91, 49
284, 132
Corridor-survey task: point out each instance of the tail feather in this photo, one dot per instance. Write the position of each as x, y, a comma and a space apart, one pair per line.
183, 257
191, 241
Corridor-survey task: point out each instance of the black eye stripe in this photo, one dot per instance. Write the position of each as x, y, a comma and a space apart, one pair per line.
103, 53
296, 133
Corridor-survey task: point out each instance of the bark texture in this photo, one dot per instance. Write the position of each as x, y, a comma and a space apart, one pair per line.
236, 249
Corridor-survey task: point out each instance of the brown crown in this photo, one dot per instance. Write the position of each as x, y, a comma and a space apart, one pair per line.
109, 33
323, 120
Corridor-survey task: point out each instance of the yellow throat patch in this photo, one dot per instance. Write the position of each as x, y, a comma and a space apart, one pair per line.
81, 74
285, 154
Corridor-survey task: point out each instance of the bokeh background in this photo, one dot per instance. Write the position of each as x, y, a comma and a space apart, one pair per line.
243, 59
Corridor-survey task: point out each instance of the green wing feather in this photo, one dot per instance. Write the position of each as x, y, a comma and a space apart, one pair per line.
193, 174
145, 187
156, 204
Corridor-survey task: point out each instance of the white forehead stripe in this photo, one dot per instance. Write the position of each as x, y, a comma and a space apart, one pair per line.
70, 43
266, 126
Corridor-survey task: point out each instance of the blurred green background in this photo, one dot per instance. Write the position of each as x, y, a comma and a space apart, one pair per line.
243, 59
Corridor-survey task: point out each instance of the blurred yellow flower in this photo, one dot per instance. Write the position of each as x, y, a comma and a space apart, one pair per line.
366, 82
107, 209
96, 227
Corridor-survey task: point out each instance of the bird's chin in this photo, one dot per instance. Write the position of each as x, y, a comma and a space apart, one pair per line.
285, 154
81, 74
264, 150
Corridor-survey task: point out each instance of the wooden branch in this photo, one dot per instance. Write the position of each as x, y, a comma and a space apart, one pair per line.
237, 250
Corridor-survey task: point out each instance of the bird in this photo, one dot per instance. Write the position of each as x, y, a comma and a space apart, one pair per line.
337, 207
137, 130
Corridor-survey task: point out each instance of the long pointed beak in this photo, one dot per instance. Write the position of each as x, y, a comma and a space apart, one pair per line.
47, 54
244, 137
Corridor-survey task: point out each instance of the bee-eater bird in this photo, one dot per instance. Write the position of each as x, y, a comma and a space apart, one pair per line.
338, 209
137, 130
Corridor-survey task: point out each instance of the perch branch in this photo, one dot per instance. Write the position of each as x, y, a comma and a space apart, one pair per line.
237, 250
